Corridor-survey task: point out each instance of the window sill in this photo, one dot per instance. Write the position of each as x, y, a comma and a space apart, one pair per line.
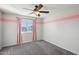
26, 32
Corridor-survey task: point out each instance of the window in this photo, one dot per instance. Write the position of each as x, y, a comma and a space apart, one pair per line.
26, 25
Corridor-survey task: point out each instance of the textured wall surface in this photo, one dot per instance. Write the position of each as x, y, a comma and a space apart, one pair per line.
0, 29
62, 29
9, 29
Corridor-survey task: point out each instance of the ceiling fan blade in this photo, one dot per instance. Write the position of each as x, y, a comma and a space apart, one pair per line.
44, 11
38, 7
30, 13
28, 9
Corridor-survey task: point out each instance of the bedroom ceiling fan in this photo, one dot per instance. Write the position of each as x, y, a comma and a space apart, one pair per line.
36, 10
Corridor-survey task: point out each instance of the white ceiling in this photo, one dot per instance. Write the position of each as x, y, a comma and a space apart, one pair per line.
18, 8
46, 6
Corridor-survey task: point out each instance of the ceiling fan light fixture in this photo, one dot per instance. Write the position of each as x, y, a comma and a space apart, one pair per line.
37, 13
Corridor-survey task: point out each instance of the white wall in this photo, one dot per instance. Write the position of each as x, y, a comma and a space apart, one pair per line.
39, 29
64, 34
26, 37
0, 29
9, 30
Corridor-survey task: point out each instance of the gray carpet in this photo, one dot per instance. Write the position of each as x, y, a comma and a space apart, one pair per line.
35, 48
